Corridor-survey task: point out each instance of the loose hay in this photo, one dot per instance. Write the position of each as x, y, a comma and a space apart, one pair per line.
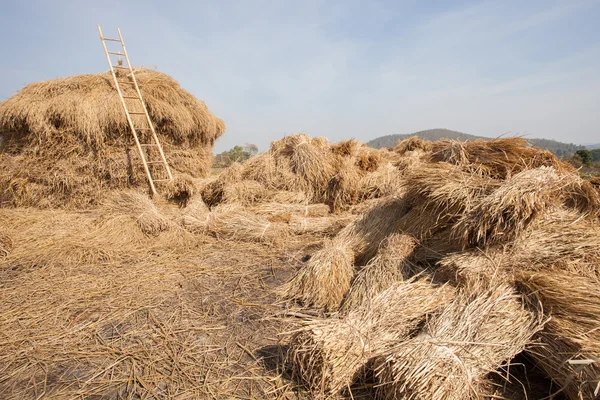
450, 358
328, 354
6, 244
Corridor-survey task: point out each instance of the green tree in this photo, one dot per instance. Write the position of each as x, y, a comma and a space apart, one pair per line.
595, 155
585, 156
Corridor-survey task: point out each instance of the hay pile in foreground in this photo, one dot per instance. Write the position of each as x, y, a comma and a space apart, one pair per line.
515, 230
328, 354
450, 358
66, 141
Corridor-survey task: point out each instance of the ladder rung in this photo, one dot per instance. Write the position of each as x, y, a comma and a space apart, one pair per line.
119, 67
161, 180
131, 97
130, 82
111, 40
117, 53
154, 162
137, 113
147, 144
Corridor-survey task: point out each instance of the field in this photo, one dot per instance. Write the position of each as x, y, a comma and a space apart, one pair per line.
431, 270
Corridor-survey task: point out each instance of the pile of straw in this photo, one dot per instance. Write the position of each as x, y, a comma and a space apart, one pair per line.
329, 354
450, 358
301, 169
497, 158
325, 279
67, 140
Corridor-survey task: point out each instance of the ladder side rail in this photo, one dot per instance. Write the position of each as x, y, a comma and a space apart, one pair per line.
131, 126
150, 124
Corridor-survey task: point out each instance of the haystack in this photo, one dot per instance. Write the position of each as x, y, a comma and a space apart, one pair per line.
66, 141
470, 338
328, 354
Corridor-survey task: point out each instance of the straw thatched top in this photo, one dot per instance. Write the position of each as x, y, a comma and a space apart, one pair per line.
86, 109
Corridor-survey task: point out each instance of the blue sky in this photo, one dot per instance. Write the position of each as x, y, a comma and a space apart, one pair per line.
337, 68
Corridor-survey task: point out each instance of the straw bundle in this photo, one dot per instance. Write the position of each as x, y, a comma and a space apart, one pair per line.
69, 140
511, 208
411, 144
314, 166
447, 190
212, 192
342, 188
233, 223
244, 193
288, 197
471, 337
561, 236
498, 158
140, 208
350, 148
570, 342
260, 168
374, 225
319, 225
325, 279
181, 189
328, 354
385, 181
368, 160
195, 208
309, 210
391, 264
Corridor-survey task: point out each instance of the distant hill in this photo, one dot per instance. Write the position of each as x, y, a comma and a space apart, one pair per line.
593, 146
558, 148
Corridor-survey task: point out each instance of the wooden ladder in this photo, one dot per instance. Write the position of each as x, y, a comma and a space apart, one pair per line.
134, 97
